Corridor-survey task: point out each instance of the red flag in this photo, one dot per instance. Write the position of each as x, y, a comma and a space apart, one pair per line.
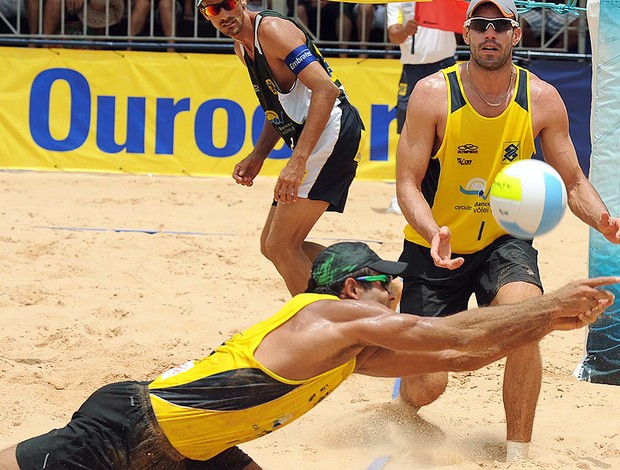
447, 15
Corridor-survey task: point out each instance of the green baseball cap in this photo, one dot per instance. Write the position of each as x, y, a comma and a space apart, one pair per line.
336, 262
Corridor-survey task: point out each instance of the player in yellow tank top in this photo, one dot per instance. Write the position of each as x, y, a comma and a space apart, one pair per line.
231, 388
474, 149
193, 416
462, 127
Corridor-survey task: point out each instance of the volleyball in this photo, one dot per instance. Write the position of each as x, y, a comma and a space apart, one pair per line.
528, 198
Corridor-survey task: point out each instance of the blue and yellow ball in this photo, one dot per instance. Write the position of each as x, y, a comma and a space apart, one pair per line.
528, 198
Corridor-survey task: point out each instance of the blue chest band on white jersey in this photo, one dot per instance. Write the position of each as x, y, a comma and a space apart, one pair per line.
299, 59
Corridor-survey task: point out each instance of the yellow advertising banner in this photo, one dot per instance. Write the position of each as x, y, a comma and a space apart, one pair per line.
163, 113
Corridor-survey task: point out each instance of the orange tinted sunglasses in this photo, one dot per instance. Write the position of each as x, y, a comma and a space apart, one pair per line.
215, 8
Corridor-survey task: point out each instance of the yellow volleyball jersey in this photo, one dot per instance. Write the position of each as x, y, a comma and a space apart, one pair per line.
227, 398
474, 149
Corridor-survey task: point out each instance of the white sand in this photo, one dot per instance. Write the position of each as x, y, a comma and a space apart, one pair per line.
86, 307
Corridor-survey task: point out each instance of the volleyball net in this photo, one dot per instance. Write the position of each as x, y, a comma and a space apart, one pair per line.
601, 361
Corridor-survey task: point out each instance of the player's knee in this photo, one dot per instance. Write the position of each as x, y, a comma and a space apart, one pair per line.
269, 248
418, 391
263, 247
276, 249
269, 245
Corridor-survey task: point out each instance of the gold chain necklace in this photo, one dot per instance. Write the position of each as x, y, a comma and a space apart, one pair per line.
495, 105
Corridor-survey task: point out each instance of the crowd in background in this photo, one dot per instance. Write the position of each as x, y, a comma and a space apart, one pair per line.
340, 25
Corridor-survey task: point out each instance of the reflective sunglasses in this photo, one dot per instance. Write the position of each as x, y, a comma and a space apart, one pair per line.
500, 25
384, 279
215, 8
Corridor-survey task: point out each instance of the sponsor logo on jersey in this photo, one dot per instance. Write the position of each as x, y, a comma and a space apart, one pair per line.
283, 125
467, 148
271, 86
511, 152
273, 117
177, 370
476, 187
303, 58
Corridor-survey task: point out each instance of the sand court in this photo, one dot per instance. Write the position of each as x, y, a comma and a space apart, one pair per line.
114, 277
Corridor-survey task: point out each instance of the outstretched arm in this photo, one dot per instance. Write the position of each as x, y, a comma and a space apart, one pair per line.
469, 340
418, 140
